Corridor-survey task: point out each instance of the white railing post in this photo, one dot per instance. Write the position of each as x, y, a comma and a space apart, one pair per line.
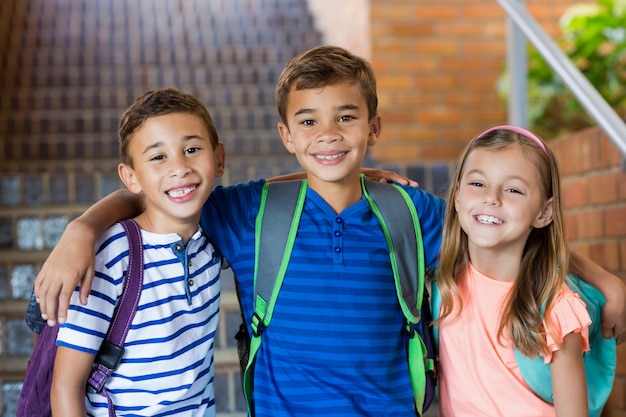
516, 57
587, 95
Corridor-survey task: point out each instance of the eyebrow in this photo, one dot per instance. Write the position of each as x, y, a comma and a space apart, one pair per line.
340, 108
157, 144
508, 177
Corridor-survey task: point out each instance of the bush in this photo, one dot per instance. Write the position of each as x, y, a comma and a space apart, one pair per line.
594, 38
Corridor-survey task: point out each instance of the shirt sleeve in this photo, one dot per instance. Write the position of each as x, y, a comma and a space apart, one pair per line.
86, 326
229, 213
568, 315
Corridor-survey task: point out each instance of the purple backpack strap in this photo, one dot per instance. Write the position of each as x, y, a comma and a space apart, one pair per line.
112, 349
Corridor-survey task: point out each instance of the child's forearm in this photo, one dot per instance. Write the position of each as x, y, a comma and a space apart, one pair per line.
119, 205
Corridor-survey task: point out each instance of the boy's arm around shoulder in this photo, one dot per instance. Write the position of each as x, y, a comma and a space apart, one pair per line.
613, 289
71, 262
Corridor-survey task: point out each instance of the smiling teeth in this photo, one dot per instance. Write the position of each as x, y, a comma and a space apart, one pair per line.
180, 192
330, 157
488, 219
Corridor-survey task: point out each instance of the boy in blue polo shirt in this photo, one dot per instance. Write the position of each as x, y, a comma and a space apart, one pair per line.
336, 346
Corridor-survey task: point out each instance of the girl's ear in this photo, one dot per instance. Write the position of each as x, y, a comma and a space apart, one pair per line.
545, 216
128, 177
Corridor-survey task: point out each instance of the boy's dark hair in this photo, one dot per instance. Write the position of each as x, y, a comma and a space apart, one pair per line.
322, 66
158, 103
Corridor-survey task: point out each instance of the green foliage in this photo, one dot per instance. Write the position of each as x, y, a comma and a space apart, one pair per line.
594, 38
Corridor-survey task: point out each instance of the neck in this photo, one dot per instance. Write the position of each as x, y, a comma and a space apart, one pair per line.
339, 195
496, 264
185, 229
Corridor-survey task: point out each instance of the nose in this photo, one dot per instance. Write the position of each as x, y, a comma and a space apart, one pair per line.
329, 133
179, 166
491, 198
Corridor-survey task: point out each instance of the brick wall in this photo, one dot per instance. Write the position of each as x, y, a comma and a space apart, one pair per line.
437, 64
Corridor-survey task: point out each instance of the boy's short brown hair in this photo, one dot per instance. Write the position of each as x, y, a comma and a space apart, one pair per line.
322, 66
157, 103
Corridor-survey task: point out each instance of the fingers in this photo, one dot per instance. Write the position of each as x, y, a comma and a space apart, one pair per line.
48, 305
617, 332
64, 303
85, 285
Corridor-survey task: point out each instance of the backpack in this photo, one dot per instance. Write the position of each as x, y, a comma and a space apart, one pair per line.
35, 395
599, 361
274, 241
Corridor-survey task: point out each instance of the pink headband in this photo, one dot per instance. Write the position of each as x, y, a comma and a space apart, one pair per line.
515, 129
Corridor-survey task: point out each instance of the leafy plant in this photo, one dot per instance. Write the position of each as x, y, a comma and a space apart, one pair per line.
594, 38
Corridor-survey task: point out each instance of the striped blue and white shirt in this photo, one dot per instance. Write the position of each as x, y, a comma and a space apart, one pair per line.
336, 345
167, 368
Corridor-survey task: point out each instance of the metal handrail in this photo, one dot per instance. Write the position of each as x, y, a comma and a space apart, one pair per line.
587, 95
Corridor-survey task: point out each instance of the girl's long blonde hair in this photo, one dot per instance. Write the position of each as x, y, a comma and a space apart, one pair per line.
545, 258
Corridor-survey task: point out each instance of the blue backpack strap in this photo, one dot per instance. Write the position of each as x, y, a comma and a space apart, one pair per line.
599, 361
279, 201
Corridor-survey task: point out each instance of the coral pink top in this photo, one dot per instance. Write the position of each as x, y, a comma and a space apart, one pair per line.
479, 374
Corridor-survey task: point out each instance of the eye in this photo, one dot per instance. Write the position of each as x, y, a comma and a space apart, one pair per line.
476, 184
307, 122
157, 158
192, 149
513, 191
346, 118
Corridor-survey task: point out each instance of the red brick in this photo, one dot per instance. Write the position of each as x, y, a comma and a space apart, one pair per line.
621, 181
602, 188
590, 223
434, 12
574, 192
607, 254
616, 221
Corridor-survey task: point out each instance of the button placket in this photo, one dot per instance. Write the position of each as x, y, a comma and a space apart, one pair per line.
338, 240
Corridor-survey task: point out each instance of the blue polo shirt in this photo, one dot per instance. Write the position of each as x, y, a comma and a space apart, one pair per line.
336, 345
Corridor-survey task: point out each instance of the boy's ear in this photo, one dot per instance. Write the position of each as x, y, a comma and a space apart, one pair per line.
376, 126
285, 136
545, 216
128, 177
220, 159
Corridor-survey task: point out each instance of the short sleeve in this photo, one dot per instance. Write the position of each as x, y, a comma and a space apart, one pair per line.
568, 315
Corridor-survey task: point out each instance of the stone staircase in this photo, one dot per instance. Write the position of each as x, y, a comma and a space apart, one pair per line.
68, 68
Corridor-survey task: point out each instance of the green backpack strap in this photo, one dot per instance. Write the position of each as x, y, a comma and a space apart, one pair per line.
279, 201
395, 210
